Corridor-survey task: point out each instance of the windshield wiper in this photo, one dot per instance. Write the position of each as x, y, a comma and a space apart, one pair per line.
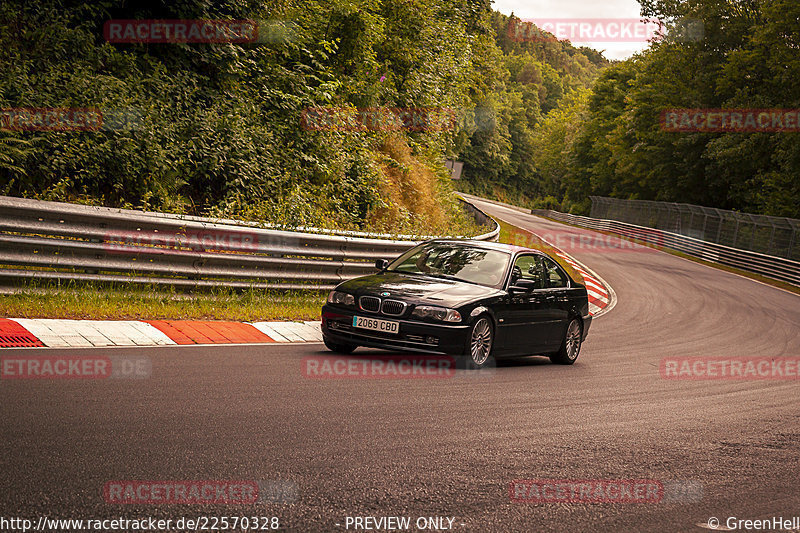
445, 276
409, 272
435, 275
453, 278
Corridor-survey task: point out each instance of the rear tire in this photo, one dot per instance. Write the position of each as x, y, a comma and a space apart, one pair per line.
571, 345
343, 348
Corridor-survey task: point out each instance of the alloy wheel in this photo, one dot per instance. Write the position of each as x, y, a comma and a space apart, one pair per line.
573, 340
481, 343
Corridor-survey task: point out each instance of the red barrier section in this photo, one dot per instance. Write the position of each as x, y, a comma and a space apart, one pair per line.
209, 332
12, 335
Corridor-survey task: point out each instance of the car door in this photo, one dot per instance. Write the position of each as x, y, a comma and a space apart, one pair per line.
557, 301
523, 318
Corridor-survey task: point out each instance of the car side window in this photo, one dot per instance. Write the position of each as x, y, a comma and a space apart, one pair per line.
528, 267
555, 277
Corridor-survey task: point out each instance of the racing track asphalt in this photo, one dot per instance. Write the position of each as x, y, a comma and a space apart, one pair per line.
446, 447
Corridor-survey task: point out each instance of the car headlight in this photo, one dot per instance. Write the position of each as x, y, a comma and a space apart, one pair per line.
341, 298
441, 314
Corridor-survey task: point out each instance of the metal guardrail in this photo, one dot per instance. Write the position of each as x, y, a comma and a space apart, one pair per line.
776, 236
766, 265
62, 242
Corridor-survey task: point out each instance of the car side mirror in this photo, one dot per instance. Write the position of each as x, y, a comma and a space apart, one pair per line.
522, 286
381, 264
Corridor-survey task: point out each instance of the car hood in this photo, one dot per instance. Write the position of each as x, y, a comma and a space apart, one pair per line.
418, 289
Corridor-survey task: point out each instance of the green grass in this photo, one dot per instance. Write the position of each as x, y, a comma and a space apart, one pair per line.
104, 302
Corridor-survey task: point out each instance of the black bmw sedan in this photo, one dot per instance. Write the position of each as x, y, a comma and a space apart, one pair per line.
480, 300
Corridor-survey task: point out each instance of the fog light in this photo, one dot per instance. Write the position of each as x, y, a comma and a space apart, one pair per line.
431, 340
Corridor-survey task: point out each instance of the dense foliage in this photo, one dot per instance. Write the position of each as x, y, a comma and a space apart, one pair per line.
610, 142
524, 82
216, 128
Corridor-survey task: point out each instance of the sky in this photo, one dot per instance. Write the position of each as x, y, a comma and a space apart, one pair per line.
579, 9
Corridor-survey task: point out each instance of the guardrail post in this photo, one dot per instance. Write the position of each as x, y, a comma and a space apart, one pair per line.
771, 240
705, 221
97, 256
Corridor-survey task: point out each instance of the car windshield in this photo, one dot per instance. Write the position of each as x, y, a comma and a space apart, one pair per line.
454, 261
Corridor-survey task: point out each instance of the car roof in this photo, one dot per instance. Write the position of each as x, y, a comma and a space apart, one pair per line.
491, 245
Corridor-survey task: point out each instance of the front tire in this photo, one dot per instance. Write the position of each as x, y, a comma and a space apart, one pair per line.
344, 349
481, 343
570, 346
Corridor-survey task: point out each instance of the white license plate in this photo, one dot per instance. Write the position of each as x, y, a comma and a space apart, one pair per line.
386, 326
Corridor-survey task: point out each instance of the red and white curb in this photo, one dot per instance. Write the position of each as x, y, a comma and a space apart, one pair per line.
601, 296
58, 333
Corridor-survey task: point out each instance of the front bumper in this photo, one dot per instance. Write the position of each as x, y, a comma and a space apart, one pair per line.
450, 339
